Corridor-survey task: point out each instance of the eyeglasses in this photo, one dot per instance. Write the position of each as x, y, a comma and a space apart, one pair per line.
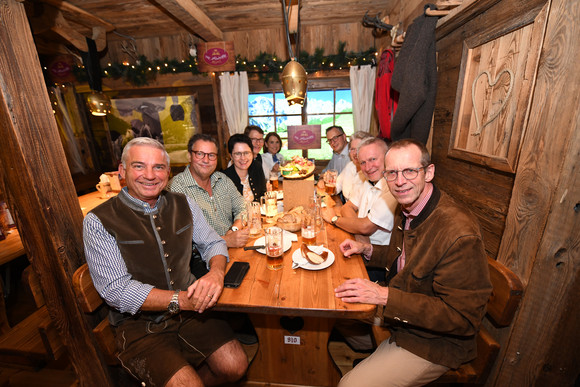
408, 173
239, 155
199, 155
258, 140
335, 138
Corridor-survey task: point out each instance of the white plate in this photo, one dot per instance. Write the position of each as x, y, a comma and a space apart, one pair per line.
298, 259
262, 241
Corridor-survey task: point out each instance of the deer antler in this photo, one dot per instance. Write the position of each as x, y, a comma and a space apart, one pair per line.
130, 49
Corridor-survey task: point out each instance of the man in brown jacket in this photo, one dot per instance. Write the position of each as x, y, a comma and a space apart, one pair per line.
437, 284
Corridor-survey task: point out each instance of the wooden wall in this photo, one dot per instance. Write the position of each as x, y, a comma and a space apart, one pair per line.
530, 223
250, 43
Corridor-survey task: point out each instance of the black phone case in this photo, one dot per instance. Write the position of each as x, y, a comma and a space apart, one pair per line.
236, 274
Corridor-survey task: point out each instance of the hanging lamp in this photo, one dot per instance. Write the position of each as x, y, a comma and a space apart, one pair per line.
99, 103
294, 79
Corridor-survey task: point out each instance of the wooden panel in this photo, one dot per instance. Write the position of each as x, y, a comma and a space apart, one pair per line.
313, 367
494, 91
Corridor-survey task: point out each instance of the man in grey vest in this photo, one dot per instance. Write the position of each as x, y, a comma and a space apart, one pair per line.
138, 247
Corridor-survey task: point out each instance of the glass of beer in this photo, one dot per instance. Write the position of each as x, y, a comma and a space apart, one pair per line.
274, 248
270, 203
310, 226
274, 180
330, 181
254, 218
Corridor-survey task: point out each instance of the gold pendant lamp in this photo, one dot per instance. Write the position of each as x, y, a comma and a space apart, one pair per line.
294, 79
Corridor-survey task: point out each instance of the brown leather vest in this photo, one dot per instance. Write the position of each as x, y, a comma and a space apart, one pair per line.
156, 247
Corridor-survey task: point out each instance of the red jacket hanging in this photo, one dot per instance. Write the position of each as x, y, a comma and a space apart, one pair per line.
386, 98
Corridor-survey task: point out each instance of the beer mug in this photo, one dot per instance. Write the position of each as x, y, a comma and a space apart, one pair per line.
270, 204
274, 242
330, 181
254, 218
274, 180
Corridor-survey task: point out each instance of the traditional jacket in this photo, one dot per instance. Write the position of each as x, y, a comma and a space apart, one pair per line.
156, 247
437, 302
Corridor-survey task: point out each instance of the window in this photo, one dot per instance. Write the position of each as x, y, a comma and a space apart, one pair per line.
271, 112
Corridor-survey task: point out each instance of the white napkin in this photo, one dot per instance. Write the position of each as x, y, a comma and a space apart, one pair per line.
290, 236
316, 249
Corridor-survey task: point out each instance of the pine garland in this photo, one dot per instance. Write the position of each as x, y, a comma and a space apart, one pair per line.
266, 66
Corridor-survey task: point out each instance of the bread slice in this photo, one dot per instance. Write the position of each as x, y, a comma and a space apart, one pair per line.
311, 256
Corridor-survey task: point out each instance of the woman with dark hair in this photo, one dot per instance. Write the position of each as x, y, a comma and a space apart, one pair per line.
271, 159
246, 174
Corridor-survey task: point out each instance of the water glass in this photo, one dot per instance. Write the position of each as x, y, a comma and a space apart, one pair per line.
254, 218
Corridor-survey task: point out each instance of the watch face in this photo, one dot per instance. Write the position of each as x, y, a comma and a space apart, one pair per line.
173, 307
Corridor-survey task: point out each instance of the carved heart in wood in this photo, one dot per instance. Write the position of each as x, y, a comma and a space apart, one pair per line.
292, 324
490, 84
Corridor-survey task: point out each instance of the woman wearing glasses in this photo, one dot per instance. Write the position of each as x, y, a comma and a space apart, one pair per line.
246, 174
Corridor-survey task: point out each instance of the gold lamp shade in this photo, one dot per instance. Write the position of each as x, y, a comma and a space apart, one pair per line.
99, 103
294, 83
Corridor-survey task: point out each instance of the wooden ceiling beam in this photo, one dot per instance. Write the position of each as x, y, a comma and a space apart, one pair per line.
53, 19
193, 18
80, 15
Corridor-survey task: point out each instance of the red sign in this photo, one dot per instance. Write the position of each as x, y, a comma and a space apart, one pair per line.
60, 69
216, 56
304, 137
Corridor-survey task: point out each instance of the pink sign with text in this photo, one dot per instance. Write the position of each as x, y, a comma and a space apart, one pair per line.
304, 137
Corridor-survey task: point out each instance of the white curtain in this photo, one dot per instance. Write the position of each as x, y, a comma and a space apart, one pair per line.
362, 86
234, 94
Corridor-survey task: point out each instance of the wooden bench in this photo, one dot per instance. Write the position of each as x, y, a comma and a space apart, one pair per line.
91, 302
34, 341
501, 307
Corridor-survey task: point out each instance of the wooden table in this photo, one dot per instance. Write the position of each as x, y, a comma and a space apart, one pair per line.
12, 248
274, 299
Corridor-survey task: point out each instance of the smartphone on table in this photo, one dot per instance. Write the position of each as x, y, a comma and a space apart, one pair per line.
236, 274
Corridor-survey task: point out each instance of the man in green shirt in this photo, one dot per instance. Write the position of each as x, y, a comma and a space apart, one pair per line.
214, 192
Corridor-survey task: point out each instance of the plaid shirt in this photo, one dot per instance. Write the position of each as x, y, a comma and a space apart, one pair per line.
221, 209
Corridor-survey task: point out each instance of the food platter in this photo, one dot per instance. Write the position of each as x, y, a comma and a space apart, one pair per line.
298, 168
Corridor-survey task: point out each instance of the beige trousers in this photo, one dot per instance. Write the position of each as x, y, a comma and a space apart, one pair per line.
392, 366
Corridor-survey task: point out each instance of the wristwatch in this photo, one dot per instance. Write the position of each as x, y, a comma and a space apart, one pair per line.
234, 228
334, 219
173, 307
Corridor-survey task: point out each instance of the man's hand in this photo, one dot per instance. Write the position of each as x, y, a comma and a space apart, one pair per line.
237, 238
327, 214
362, 291
204, 293
350, 247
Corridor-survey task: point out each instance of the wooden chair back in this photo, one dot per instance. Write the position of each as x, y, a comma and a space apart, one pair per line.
90, 302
